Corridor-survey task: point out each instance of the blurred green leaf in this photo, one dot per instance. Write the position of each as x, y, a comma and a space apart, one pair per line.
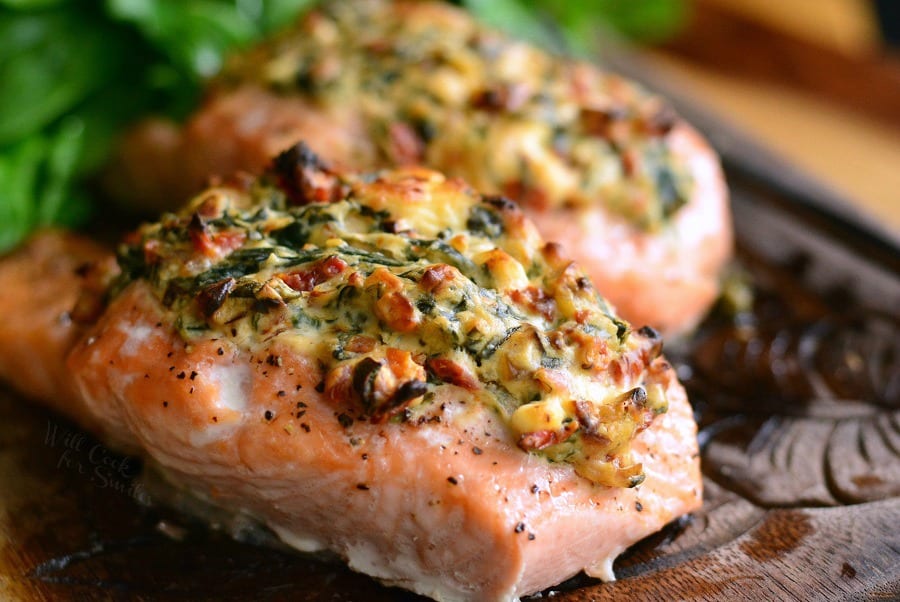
193, 34
75, 72
30, 4
35, 178
275, 14
644, 20
58, 60
514, 16
63, 153
579, 22
18, 166
18, 174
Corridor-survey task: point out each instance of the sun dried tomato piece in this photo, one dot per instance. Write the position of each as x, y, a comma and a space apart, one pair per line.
310, 277
451, 372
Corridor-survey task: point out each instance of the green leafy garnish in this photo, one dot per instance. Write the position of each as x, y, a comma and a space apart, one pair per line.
75, 73
573, 26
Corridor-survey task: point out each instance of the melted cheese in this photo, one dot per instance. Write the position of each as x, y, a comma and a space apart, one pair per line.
432, 87
407, 281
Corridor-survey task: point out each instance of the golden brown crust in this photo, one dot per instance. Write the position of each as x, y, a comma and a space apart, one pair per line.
637, 197
402, 281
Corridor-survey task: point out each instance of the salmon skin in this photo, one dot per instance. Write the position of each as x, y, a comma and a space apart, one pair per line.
598, 163
391, 367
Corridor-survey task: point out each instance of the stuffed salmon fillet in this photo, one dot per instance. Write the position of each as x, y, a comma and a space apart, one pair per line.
390, 367
634, 193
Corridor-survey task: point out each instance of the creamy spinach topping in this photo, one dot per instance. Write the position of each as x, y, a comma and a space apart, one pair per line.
401, 283
432, 87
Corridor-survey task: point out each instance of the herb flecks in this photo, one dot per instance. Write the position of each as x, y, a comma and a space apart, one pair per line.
562, 147
472, 305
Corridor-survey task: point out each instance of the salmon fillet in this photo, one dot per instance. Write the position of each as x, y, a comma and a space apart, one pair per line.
390, 367
635, 193
52, 287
